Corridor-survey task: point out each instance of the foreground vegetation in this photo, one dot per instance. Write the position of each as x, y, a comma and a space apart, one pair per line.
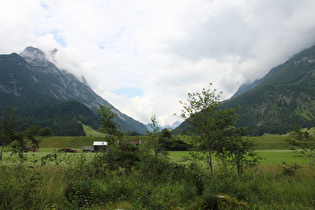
124, 178
77, 180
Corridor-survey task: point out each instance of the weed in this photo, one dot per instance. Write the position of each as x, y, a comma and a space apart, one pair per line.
289, 170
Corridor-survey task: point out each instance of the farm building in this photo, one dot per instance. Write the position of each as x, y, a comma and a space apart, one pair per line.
97, 146
32, 149
88, 149
136, 142
131, 142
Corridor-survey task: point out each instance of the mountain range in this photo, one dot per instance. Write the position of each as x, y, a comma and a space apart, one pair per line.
278, 101
46, 95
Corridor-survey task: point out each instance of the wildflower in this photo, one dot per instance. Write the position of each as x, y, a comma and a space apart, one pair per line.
85, 200
102, 203
92, 205
256, 196
271, 198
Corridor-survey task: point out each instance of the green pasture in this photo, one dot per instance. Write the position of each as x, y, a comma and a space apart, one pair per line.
271, 142
38, 158
264, 142
268, 156
90, 132
67, 141
271, 147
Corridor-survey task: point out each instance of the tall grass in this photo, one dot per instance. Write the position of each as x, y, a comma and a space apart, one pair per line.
53, 180
77, 183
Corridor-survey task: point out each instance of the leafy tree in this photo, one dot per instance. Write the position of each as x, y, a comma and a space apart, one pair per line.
154, 136
108, 126
45, 132
170, 143
201, 113
211, 127
153, 157
19, 146
30, 134
120, 155
166, 133
304, 142
237, 150
8, 133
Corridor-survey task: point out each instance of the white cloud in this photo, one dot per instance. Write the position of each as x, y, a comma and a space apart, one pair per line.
160, 49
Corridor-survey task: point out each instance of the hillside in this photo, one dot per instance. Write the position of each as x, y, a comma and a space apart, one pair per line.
284, 97
32, 84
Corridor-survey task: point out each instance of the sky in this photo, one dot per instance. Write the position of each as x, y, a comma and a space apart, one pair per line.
144, 56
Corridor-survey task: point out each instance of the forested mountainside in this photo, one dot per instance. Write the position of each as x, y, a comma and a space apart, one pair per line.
41, 93
284, 97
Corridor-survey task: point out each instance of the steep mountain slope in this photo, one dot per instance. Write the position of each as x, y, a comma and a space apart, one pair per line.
284, 97
246, 87
31, 83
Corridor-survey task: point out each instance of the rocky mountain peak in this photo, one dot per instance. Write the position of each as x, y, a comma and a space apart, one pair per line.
34, 56
33, 52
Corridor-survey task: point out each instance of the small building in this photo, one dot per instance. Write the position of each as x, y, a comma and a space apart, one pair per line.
32, 149
99, 145
88, 149
136, 142
131, 142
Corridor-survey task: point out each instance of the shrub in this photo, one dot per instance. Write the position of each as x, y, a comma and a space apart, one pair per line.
19, 188
80, 193
289, 170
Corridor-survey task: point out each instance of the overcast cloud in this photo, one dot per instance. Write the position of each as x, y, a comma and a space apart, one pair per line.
144, 56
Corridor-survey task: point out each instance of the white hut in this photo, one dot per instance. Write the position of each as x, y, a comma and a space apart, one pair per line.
99, 145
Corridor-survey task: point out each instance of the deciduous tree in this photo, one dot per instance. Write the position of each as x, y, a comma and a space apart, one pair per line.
201, 112
8, 132
212, 128
45, 132
304, 142
108, 126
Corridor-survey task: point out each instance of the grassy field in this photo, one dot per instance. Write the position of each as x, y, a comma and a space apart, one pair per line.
266, 142
57, 180
271, 142
272, 148
68, 141
90, 132
269, 156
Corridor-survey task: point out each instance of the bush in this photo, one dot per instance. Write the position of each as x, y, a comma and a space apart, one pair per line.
209, 200
81, 193
19, 188
289, 170
171, 144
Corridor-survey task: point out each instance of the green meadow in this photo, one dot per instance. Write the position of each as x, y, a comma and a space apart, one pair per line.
49, 179
273, 149
268, 156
